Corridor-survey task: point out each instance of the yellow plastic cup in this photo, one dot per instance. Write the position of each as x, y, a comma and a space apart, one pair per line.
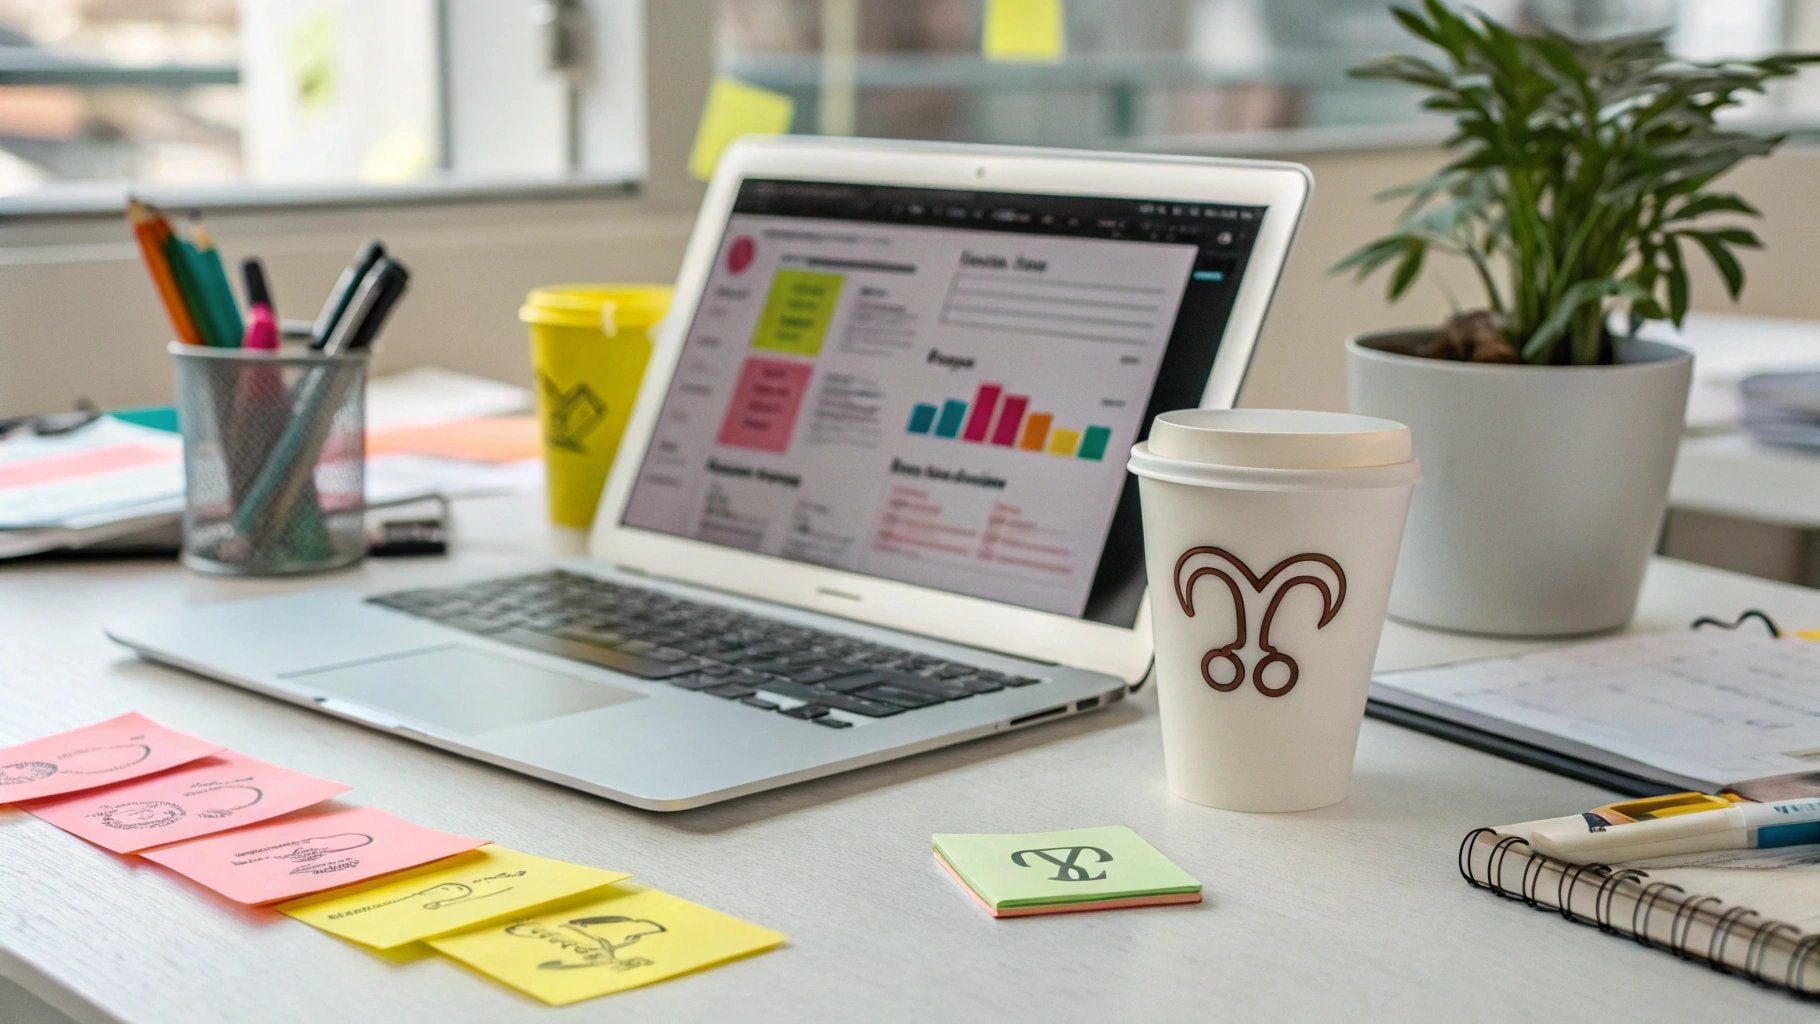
589, 346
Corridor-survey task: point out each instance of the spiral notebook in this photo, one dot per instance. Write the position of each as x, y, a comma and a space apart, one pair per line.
1755, 917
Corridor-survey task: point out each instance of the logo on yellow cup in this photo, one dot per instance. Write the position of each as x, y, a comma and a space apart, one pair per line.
571, 415
1315, 570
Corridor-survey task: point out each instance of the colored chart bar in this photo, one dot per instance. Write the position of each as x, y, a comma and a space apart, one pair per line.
985, 400
1093, 443
1005, 433
953, 412
1064, 442
922, 417
1036, 430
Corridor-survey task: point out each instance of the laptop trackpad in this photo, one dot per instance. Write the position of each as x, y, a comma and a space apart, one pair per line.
462, 688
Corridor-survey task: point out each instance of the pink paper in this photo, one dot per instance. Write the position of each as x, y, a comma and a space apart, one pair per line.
201, 798
766, 398
308, 852
128, 747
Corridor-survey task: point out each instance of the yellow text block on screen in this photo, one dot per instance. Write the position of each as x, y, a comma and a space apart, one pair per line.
1024, 30
449, 895
797, 311
734, 109
1064, 442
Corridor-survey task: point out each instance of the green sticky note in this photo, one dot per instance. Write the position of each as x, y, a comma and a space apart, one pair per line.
797, 311
1041, 869
1024, 30
734, 109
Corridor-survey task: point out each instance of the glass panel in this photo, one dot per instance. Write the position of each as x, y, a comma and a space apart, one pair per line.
1145, 73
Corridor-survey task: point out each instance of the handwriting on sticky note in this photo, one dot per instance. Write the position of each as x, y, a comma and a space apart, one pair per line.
734, 109
214, 794
128, 747
620, 938
457, 893
308, 852
1024, 30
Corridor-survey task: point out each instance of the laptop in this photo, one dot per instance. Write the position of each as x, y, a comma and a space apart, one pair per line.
871, 501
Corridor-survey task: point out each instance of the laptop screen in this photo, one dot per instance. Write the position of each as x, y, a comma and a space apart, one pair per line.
940, 387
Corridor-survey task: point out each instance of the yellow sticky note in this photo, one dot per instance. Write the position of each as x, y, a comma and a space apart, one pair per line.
734, 109
621, 938
449, 895
1024, 30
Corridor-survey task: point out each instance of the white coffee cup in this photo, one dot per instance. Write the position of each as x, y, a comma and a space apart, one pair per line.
1270, 540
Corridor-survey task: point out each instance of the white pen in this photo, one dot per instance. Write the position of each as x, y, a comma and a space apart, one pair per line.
1743, 826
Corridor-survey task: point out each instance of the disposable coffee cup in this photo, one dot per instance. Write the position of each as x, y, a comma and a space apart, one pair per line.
1270, 540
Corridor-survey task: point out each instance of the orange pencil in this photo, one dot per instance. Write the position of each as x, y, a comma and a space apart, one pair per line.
151, 248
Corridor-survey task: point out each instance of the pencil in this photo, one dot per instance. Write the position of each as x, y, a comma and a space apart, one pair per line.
151, 251
216, 291
189, 285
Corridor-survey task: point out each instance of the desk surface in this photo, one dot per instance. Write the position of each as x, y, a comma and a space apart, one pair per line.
1346, 913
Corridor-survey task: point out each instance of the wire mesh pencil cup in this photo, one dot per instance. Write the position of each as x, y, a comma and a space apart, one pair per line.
274, 460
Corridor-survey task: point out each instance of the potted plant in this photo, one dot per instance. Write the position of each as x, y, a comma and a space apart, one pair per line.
1581, 184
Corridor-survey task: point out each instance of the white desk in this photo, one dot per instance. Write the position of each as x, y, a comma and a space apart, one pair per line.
1353, 912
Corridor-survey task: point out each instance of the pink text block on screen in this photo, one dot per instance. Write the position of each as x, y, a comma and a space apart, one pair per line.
766, 398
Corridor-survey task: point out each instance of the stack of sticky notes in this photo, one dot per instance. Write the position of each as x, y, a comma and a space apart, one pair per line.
1020, 875
263, 835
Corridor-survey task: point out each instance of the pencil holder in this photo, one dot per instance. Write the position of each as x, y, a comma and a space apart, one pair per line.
274, 460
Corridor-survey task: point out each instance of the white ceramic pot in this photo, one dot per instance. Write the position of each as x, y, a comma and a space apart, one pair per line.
1544, 486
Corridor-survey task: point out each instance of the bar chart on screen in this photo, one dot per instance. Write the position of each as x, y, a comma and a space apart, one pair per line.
1006, 421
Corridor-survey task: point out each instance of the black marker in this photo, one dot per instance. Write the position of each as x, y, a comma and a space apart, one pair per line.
342, 295
367, 311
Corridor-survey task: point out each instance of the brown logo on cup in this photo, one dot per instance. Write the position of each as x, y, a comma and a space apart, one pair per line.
1319, 571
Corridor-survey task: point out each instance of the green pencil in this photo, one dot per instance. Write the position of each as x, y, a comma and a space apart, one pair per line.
183, 269
219, 293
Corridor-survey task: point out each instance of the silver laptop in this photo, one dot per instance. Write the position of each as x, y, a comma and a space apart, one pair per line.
872, 499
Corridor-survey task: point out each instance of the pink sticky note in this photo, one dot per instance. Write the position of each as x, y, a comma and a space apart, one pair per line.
116, 750
308, 852
201, 798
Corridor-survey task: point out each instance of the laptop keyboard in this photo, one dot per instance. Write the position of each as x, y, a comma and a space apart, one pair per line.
703, 647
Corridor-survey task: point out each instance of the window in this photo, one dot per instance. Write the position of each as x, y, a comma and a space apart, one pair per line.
1163, 73
301, 96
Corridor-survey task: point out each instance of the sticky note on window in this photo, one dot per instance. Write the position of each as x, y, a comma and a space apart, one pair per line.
1024, 30
621, 938
128, 747
447, 896
734, 109
307, 853
217, 793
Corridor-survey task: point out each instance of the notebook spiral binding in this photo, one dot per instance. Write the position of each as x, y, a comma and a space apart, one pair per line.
1654, 895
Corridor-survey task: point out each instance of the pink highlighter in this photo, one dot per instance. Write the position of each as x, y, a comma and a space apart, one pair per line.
261, 321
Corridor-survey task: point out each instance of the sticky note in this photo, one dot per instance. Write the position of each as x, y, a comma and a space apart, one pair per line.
734, 109
1055, 869
494, 439
308, 852
127, 747
446, 896
1024, 30
621, 938
217, 793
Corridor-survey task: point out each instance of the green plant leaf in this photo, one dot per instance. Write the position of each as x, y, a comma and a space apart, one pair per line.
1555, 326
1677, 282
1414, 251
1723, 260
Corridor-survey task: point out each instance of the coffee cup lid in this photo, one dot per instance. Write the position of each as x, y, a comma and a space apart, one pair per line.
1272, 448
